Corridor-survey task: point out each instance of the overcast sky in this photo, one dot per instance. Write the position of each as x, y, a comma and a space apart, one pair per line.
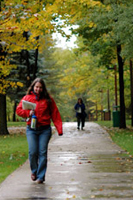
61, 41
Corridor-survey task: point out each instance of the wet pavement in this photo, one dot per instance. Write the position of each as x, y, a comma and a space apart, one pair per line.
82, 165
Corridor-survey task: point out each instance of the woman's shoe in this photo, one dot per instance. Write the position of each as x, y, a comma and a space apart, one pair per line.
39, 181
33, 177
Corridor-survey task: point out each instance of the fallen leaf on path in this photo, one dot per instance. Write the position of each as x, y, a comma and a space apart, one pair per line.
118, 158
100, 189
122, 163
92, 196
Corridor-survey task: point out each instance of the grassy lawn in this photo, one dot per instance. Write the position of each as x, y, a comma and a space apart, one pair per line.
109, 124
122, 137
16, 124
13, 153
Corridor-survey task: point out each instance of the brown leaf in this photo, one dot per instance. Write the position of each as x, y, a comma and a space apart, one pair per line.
100, 189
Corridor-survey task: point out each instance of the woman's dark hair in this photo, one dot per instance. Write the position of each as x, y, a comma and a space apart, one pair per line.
80, 100
44, 93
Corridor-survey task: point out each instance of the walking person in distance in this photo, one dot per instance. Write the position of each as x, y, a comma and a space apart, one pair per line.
80, 113
38, 136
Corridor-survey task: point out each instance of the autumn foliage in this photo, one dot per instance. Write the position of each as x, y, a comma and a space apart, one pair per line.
17, 17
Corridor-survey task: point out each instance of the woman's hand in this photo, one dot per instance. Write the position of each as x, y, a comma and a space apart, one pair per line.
32, 112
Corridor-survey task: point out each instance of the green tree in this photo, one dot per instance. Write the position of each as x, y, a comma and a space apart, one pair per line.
101, 24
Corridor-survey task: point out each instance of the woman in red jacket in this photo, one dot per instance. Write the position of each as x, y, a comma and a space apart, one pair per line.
39, 137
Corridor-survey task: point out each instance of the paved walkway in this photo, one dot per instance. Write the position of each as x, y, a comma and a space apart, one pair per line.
82, 165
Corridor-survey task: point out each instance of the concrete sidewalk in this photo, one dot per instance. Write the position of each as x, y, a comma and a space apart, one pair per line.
82, 165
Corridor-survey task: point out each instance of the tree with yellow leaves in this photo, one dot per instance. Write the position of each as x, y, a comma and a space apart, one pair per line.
17, 18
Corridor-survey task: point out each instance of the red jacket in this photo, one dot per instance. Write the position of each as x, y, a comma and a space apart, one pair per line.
44, 112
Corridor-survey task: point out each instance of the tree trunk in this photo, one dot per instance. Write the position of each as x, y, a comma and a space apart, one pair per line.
35, 66
3, 120
14, 111
36, 61
121, 88
28, 82
131, 85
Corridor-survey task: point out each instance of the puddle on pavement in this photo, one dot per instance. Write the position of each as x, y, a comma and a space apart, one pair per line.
113, 196
113, 188
108, 163
35, 198
107, 196
113, 166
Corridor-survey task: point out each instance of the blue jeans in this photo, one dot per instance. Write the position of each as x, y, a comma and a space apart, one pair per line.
38, 145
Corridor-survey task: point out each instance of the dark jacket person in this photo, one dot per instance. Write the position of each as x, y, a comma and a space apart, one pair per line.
80, 113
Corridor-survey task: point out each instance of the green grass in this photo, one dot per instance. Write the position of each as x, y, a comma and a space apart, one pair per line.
122, 137
109, 124
9, 124
13, 153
